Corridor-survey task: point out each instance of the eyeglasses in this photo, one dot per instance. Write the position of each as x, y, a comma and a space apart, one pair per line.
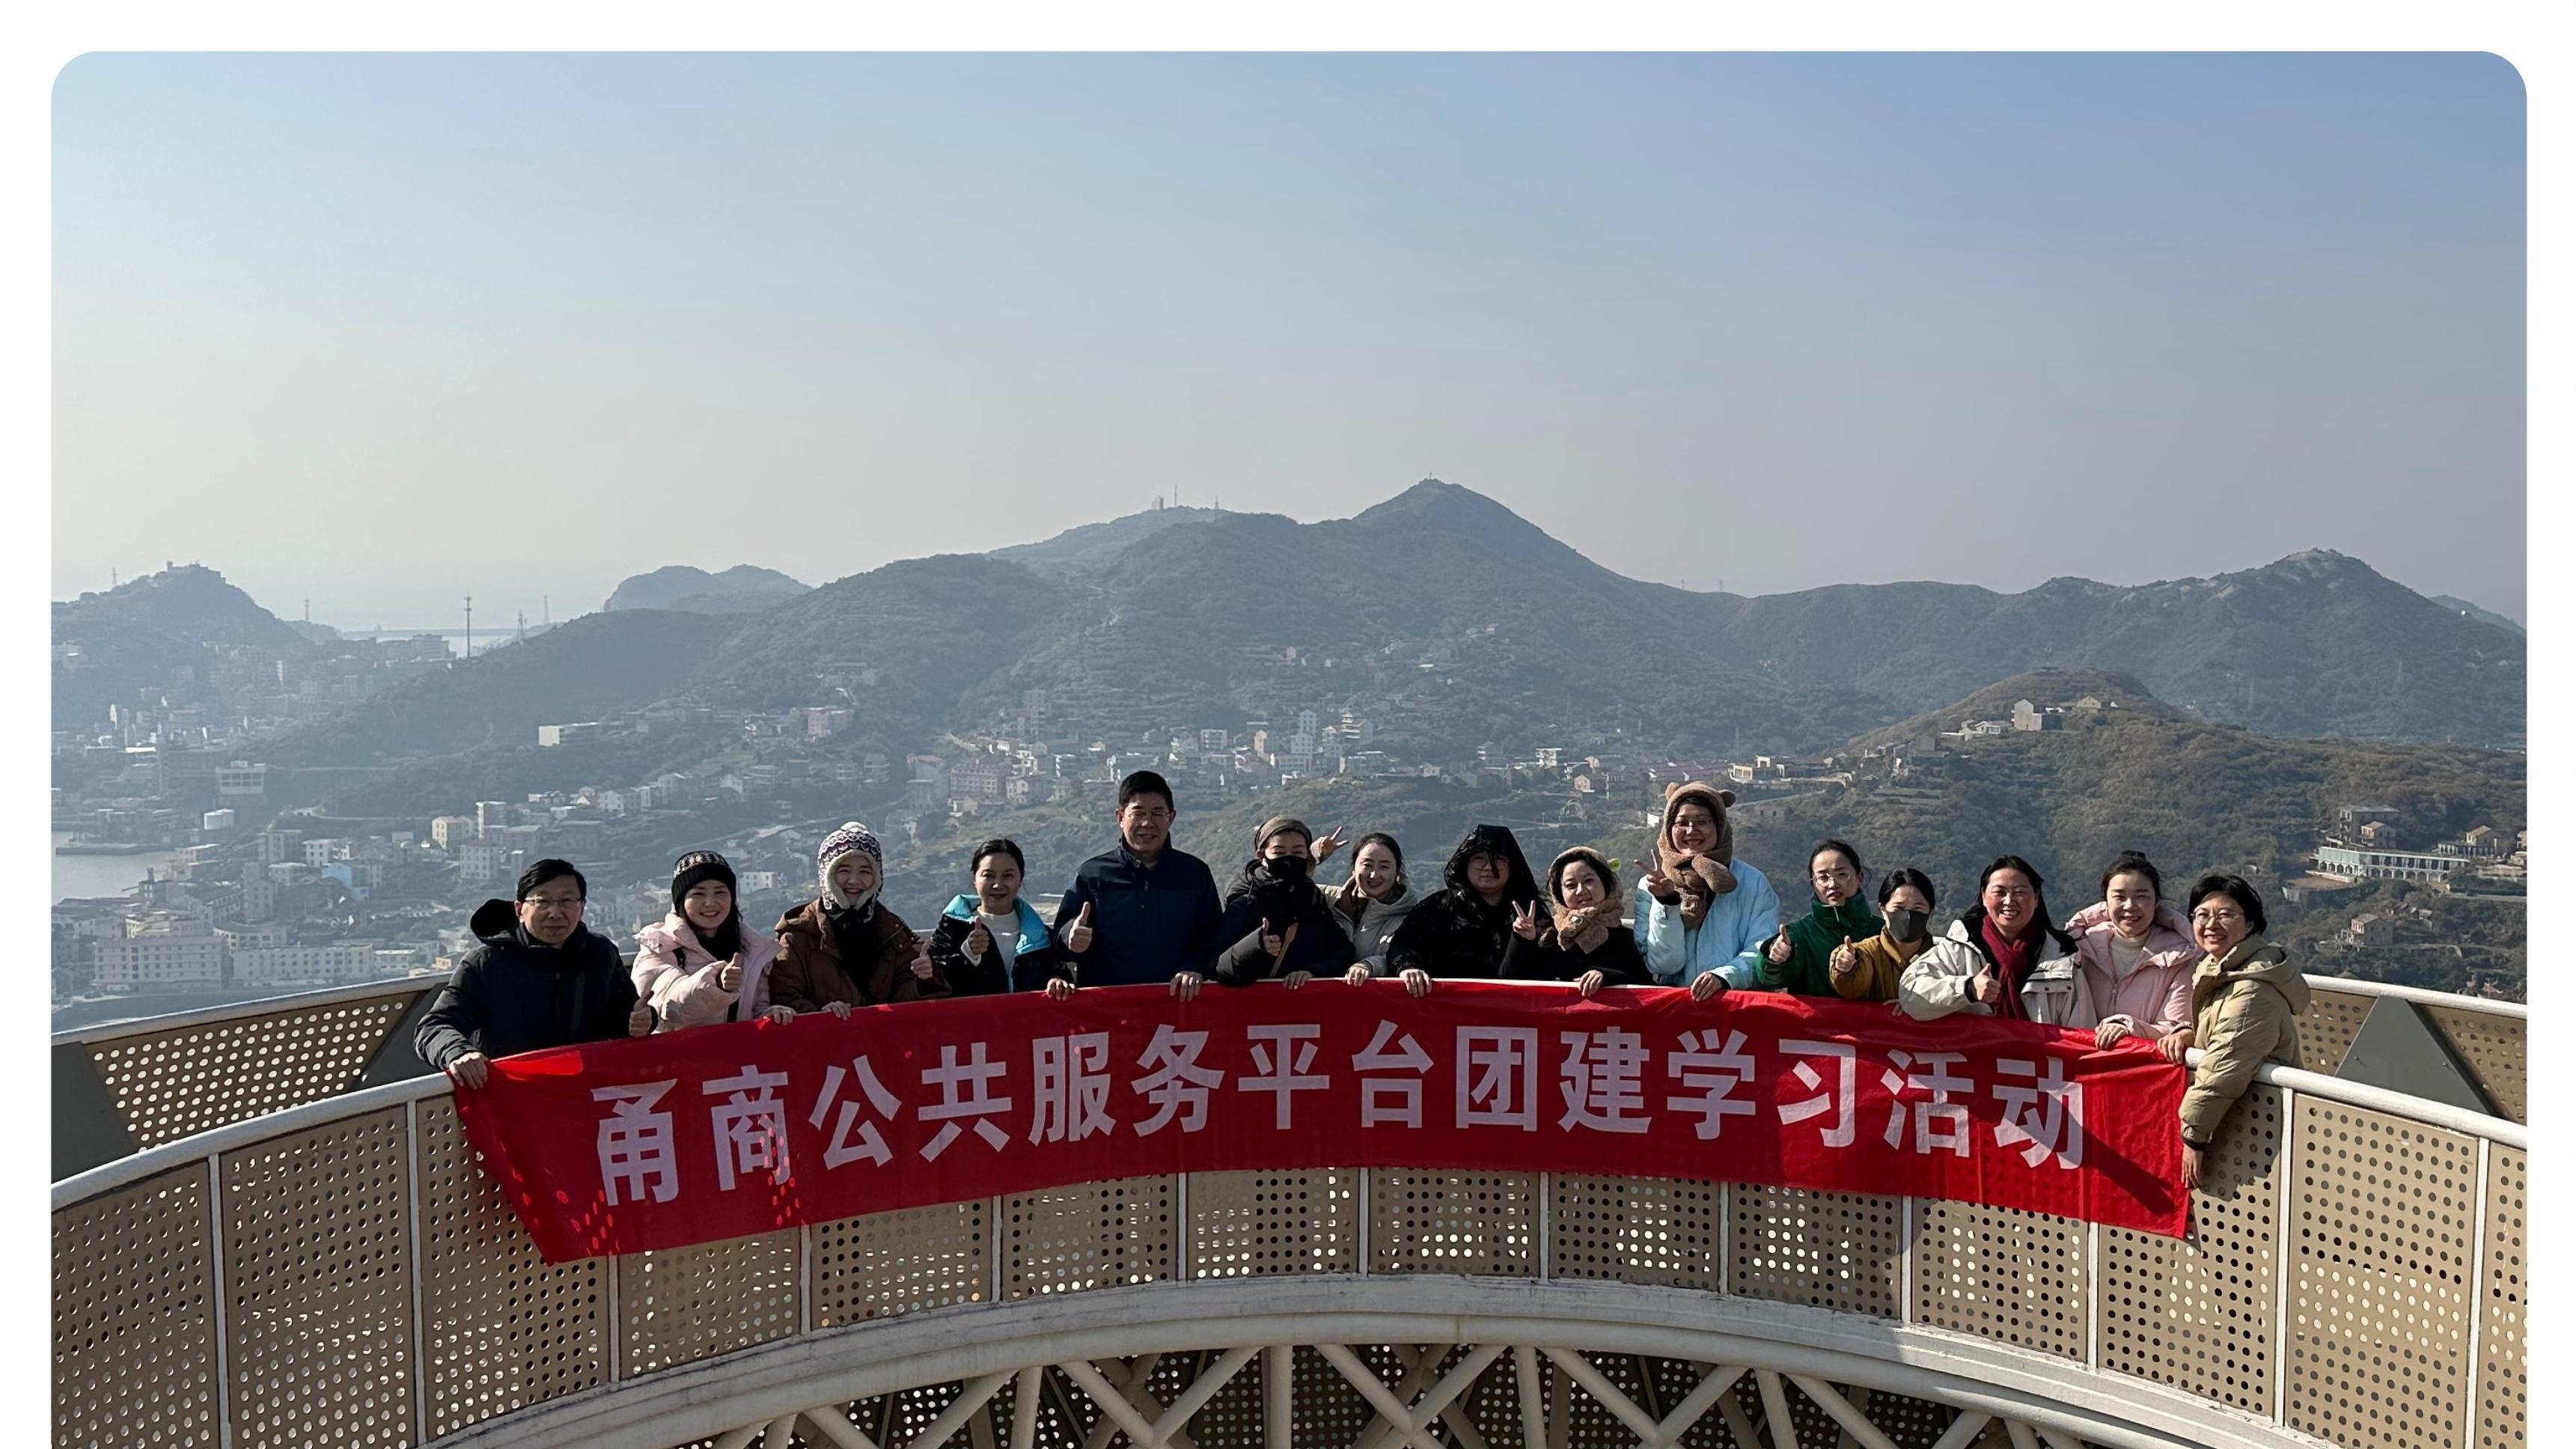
2216, 918
553, 903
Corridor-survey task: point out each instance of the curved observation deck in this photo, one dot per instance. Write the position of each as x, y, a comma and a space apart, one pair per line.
330, 1266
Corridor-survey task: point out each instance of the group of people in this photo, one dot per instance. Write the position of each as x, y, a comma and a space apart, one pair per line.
1146, 912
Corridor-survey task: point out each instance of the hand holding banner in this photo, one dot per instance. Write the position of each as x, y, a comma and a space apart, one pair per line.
720, 1131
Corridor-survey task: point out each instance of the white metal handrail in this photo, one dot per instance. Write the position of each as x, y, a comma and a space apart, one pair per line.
245, 1010
406, 985
248, 1132
2355, 986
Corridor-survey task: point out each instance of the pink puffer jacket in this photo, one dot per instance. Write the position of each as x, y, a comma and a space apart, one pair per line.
677, 973
2154, 999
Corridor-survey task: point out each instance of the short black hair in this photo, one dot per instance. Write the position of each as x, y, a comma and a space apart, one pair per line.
1145, 782
1901, 877
999, 845
1841, 848
2236, 888
2130, 862
550, 869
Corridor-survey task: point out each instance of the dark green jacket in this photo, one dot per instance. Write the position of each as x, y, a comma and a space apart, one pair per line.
1812, 939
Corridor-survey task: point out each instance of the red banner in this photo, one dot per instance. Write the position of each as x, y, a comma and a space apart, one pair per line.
721, 1131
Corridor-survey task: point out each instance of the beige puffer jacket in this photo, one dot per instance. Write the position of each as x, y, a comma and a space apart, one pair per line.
2244, 1012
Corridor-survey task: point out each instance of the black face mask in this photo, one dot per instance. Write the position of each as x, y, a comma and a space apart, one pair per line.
1907, 926
1287, 869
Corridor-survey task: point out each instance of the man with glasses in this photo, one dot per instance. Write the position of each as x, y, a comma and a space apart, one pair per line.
540, 979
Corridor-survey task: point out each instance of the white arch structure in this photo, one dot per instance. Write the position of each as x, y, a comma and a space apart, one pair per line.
342, 1272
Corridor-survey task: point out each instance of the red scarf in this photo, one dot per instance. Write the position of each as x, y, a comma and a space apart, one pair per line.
2012, 963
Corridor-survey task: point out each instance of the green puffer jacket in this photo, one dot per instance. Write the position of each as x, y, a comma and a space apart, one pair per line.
1812, 939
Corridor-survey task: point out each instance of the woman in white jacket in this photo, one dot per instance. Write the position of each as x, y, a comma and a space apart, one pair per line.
2002, 958
699, 966
1373, 902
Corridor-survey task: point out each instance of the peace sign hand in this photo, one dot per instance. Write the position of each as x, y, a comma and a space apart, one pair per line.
1525, 920
1656, 883
1323, 849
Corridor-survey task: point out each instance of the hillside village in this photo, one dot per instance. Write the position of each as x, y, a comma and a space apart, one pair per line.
310, 899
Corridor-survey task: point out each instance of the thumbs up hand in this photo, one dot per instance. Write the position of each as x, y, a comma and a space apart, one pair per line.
639, 1022
1984, 987
977, 941
1779, 952
729, 977
1271, 945
921, 967
1077, 937
1525, 920
1846, 957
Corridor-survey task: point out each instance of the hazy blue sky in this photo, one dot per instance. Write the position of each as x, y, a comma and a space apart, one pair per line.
381, 331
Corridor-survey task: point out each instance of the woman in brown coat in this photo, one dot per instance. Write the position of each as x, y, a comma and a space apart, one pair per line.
843, 949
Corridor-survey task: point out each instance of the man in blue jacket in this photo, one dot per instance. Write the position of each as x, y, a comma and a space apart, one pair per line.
1144, 912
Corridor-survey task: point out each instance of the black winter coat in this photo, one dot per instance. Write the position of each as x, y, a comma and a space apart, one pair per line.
512, 995
1546, 959
1455, 933
1322, 946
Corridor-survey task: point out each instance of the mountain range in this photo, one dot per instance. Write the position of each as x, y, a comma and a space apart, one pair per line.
1449, 621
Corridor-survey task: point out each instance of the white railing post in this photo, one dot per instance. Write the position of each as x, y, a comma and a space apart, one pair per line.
2282, 1248
612, 1268
419, 1303
993, 1249
1363, 1192
2093, 1296
1905, 1214
1542, 1251
805, 1278
2477, 1280
215, 1259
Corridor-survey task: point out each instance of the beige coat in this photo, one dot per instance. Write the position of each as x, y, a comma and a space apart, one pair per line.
2244, 1012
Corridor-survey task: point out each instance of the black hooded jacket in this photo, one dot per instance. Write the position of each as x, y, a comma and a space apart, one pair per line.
1455, 933
1321, 945
512, 995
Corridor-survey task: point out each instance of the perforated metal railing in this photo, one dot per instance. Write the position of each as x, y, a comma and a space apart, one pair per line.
343, 1273
131, 1085
2484, 1036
